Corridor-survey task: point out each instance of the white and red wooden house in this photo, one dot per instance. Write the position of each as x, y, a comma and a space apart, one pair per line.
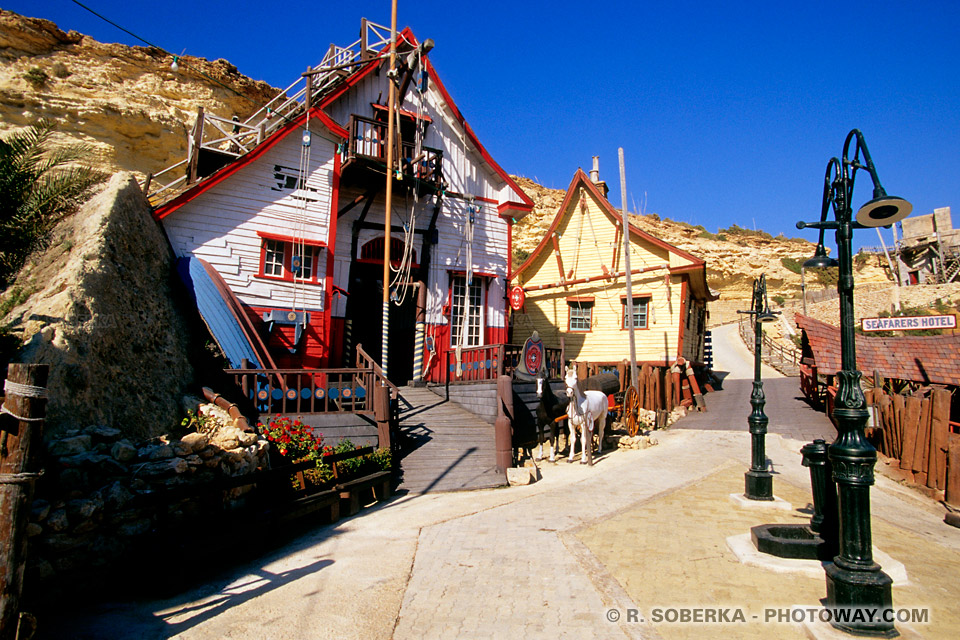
295, 225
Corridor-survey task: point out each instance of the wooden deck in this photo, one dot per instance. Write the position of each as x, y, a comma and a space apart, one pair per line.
444, 446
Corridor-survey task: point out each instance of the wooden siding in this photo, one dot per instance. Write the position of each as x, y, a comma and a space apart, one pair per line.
588, 242
464, 173
490, 239
222, 225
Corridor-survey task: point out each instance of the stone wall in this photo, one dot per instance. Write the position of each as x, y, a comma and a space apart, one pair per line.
479, 399
868, 302
100, 497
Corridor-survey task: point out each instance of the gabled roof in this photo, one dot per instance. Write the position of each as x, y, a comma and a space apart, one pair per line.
926, 359
516, 209
225, 172
525, 205
580, 179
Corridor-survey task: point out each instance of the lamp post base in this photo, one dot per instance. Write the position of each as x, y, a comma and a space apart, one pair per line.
858, 599
758, 485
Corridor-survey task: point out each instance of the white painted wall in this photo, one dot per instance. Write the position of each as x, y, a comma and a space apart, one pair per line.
221, 224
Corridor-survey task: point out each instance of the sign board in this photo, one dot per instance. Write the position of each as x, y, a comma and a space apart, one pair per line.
516, 298
908, 323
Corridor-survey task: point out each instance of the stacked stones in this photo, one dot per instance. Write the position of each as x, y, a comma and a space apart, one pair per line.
97, 496
636, 442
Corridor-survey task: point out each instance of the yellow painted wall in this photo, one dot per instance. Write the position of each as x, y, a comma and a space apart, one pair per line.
587, 243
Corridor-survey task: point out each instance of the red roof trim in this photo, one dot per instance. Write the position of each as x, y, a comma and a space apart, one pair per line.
584, 181
432, 72
407, 35
227, 171
291, 239
521, 206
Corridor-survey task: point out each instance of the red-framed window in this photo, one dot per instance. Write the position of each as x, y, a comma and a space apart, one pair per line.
290, 259
579, 315
641, 312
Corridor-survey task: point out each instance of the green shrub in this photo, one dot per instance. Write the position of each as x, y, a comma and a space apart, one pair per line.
36, 77
826, 277
778, 299
736, 230
791, 265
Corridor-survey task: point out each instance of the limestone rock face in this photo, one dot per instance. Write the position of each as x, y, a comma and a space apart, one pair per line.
102, 315
125, 102
732, 264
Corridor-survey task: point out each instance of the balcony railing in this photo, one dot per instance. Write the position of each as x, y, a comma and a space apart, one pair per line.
367, 141
305, 391
489, 362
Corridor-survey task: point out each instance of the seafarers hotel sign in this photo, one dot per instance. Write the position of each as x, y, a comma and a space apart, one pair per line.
908, 323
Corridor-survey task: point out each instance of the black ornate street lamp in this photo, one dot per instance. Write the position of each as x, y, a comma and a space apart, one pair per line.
758, 482
854, 580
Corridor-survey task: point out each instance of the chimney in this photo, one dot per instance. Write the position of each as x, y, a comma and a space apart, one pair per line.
595, 177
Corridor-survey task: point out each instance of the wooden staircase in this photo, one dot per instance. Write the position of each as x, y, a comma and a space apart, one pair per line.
444, 447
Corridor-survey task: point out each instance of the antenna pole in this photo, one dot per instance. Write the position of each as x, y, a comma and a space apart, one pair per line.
391, 100
626, 257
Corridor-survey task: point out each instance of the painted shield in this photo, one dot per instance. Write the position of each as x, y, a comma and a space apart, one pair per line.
533, 355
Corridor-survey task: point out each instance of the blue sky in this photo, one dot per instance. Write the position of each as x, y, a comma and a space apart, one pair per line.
727, 112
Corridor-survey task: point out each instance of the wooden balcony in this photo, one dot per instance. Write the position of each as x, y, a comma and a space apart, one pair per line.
366, 158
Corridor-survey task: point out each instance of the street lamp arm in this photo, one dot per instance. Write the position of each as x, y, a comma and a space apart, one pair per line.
855, 134
828, 224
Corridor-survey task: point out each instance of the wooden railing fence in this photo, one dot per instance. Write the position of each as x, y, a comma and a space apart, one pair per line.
489, 362
916, 431
771, 348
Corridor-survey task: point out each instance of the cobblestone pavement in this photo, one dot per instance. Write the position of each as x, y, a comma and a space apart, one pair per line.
561, 558
639, 530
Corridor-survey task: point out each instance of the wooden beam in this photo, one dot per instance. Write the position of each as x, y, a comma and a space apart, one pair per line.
939, 432
556, 252
196, 139
910, 425
952, 489
20, 442
610, 276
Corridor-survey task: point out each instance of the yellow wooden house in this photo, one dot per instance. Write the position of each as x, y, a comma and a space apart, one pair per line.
575, 294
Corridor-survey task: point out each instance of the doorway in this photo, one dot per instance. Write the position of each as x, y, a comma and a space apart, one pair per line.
365, 310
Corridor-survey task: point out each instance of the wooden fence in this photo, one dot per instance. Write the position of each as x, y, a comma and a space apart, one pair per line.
916, 431
488, 363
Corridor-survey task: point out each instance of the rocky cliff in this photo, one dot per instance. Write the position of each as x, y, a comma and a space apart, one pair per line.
98, 306
125, 102
734, 258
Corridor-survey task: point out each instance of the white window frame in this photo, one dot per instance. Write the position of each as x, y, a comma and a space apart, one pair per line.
475, 327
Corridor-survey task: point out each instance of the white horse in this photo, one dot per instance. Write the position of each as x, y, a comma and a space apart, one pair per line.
584, 411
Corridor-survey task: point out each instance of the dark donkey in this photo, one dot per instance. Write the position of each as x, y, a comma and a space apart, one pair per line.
551, 407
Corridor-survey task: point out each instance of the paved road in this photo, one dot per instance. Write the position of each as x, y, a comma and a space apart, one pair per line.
727, 409
639, 529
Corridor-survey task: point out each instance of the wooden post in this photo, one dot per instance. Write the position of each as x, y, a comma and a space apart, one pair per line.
245, 379
308, 90
503, 428
381, 409
923, 438
910, 424
196, 139
952, 492
20, 443
626, 265
364, 52
939, 431
899, 409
